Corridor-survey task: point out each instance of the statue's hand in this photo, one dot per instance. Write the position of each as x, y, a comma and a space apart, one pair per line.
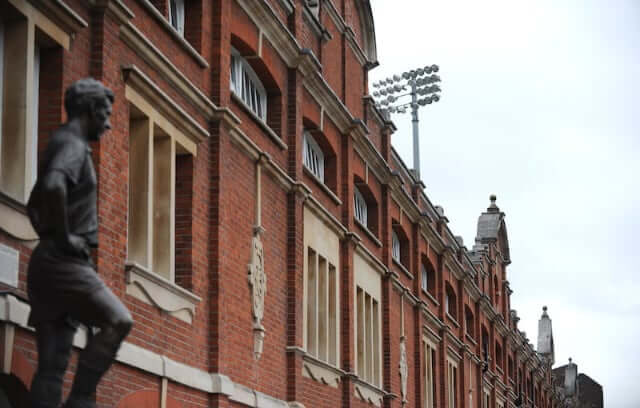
75, 245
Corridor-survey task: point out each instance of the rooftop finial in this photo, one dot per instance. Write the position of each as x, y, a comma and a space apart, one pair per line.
569, 360
493, 207
544, 308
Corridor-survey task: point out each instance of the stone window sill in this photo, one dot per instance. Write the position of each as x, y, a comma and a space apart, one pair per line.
368, 393
323, 186
453, 320
273, 135
321, 371
14, 220
431, 297
368, 232
403, 268
471, 339
158, 291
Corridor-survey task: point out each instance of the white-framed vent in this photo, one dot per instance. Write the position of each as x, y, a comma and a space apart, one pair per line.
176, 15
360, 207
313, 158
246, 84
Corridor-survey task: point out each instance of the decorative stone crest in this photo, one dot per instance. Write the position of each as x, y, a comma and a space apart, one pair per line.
258, 283
404, 368
257, 276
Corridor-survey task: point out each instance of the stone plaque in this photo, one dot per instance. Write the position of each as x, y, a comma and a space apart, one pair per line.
9, 265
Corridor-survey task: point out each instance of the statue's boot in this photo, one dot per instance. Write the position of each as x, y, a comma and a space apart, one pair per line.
46, 391
94, 362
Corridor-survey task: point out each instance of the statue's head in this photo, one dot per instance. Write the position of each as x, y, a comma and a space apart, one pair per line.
90, 98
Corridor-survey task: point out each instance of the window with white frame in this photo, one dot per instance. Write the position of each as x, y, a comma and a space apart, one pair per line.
424, 278
428, 372
246, 85
19, 89
360, 207
395, 246
313, 157
176, 15
452, 383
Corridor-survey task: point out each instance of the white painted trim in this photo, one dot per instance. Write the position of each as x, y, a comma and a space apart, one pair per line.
16, 312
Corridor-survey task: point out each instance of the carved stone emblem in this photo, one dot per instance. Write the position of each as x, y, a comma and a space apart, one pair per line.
404, 369
258, 283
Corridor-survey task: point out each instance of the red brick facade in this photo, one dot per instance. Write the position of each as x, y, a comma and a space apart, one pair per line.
314, 70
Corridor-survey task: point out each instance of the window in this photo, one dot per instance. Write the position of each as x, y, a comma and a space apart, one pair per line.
486, 400
159, 170
510, 367
246, 85
496, 290
428, 371
321, 290
313, 158
468, 320
428, 276
322, 302
452, 383
395, 246
424, 278
176, 15
367, 337
360, 207
485, 343
19, 89
450, 302
499, 355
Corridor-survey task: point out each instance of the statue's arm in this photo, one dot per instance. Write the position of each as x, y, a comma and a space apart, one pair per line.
54, 193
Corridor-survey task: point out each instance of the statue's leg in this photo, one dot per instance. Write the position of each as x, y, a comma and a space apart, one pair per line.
104, 310
54, 342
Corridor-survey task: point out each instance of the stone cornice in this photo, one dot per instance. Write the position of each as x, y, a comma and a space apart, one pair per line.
142, 46
161, 102
58, 11
116, 8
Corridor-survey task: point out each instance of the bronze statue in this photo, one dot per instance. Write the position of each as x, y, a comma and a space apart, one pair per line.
63, 286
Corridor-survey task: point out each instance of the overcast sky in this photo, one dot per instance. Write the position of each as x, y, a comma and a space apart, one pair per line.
540, 105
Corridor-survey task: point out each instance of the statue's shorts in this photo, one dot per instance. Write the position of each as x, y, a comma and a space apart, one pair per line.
60, 286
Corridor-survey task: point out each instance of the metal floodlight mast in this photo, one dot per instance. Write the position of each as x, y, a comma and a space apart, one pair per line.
421, 81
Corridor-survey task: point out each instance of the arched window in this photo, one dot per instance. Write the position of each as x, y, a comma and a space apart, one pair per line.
400, 245
395, 246
360, 207
424, 278
246, 85
365, 206
427, 276
450, 302
468, 319
313, 158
